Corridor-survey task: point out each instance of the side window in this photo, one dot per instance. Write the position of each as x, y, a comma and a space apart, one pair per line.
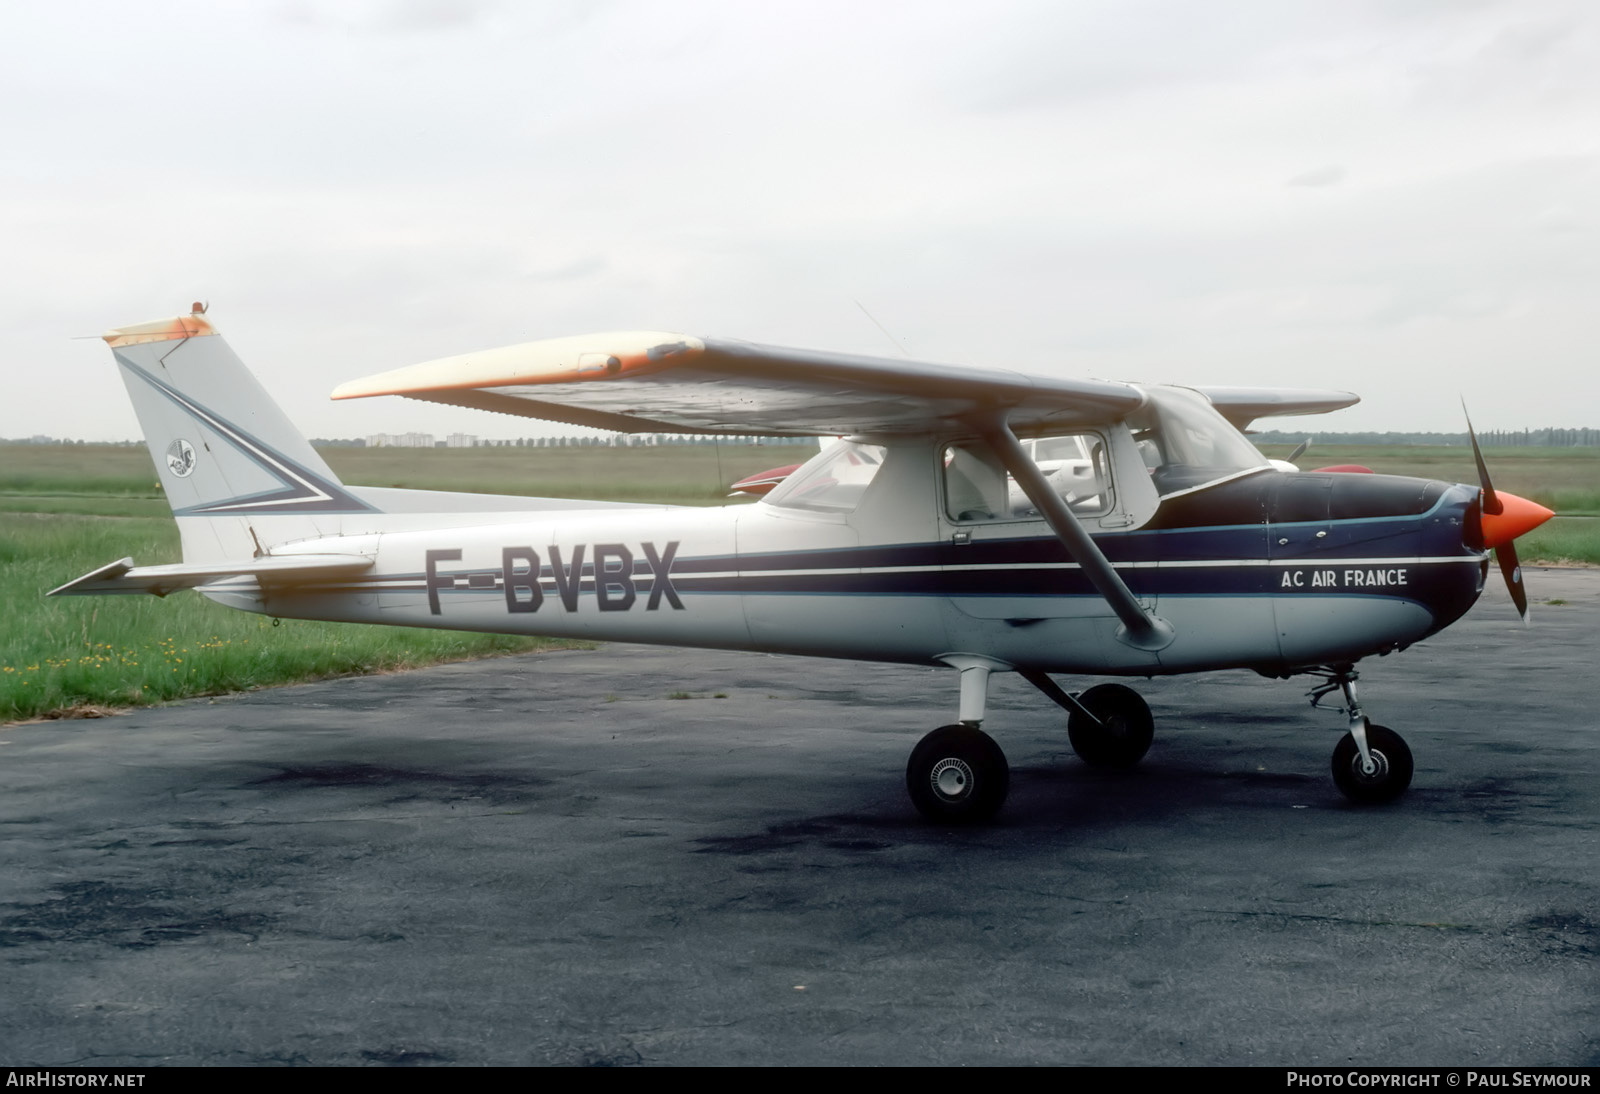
977, 488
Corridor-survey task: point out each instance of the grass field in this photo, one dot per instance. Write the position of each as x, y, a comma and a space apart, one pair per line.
118, 480
81, 654
1564, 479
65, 510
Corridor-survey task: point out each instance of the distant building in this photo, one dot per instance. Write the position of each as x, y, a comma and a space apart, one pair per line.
400, 440
461, 440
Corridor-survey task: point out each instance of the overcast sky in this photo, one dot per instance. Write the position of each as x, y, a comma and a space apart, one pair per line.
1397, 198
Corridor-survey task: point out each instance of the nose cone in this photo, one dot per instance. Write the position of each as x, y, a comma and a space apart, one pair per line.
1517, 516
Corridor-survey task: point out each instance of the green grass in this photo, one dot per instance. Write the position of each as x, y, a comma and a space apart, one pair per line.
1566, 480
77, 654
119, 480
67, 509
1563, 541
86, 504
78, 469
696, 474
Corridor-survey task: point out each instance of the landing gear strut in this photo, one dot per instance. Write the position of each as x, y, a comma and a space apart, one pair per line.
957, 774
1117, 730
1371, 763
1110, 725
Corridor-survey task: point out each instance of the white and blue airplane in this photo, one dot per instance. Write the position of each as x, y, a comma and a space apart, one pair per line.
1145, 537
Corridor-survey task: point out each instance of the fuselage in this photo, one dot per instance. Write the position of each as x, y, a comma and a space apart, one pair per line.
1265, 569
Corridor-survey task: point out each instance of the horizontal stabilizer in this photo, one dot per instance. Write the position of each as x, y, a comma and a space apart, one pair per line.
279, 570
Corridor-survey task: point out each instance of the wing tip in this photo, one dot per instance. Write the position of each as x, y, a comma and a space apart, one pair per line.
581, 359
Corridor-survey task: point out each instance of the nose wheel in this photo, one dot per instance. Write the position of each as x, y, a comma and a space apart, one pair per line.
1370, 763
1382, 776
958, 775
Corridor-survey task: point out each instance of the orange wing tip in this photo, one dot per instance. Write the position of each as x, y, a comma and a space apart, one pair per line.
553, 361
160, 330
1518, 517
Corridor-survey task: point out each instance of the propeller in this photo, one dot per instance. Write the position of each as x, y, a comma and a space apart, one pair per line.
1504, 517
1300, 450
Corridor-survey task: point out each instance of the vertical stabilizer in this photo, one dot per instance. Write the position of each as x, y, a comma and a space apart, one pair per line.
239, 476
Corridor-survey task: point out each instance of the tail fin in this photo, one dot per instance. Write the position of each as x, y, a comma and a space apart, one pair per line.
239, 476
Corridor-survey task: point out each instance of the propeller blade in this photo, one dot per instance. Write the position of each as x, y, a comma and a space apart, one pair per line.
1511, 570
1300, 450
1503, 520
1491, 500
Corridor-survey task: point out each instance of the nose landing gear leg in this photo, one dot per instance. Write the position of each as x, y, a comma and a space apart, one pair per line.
1371, 763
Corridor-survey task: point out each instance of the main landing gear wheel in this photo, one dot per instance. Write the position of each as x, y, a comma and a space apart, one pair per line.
1125, 730
1391, 761
958, 775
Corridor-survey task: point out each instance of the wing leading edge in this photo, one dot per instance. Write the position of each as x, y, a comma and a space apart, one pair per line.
656, 381
643, 381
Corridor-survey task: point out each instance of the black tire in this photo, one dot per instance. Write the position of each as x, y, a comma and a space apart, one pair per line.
958, 775
1125, 732
1391, 755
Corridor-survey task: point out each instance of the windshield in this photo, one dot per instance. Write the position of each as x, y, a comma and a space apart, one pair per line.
832, 482
1186, 443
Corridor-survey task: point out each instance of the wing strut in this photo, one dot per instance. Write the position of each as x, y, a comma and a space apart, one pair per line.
1140, 628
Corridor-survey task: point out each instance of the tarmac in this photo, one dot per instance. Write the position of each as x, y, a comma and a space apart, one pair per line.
655, 856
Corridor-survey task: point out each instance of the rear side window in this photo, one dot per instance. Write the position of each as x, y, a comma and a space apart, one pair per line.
832, 481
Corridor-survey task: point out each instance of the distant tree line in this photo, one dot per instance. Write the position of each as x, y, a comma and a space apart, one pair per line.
1525, 438
68, 440
1536, 438
615, 440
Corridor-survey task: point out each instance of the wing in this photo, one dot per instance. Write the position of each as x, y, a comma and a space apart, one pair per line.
1243, 405
648, 381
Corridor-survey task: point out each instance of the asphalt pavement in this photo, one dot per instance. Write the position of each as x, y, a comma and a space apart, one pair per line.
656, 856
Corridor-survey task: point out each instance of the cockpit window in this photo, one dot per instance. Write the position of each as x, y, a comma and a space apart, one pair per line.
833, 481
976, 486
1186, 443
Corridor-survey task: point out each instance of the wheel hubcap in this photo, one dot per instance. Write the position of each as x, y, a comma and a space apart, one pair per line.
951, 779
1380, 767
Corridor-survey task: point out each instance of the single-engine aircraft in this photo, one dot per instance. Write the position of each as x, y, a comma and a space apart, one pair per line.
988, 521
